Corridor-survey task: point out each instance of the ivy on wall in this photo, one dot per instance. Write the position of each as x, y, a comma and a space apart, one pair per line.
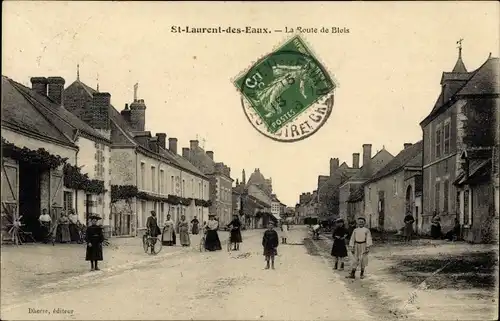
123, 192
75, 179
40, 158
120, 192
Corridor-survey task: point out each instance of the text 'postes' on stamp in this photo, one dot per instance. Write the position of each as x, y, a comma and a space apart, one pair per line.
283, 87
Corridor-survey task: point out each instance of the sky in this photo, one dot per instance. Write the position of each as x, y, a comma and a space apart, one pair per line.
388, 68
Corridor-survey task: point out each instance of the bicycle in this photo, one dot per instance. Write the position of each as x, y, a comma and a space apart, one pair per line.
151, 244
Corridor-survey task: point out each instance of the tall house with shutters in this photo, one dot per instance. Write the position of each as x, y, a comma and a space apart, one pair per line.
51, 159
460, 152
147, 175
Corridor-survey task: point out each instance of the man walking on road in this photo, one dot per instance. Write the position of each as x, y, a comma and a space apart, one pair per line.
360, 243
153, 229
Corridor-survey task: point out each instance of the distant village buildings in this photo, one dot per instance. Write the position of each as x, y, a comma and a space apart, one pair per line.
453, 172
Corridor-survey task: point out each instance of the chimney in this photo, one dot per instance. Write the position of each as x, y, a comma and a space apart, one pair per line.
185, 152
406, 145
56, 89
243, 177
367, 159
100, 110
153, 144
210, 154
162, 139
39, 85
193, 144
138, 115
172, 145
126, 113
355, 160
334, 166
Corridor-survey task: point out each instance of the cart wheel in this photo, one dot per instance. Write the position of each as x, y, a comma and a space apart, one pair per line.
157, 246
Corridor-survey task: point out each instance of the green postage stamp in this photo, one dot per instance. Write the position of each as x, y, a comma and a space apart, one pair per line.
287, 95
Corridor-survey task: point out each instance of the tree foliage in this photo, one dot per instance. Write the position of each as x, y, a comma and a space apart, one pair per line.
479, 126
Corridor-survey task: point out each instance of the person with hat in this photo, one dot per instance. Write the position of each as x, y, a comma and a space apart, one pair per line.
94, 238
153, 229
212, 241
235, 237
360, 243
339, 248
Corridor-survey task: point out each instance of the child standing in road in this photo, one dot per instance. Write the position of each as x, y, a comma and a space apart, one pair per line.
270, 244
359, 245
339, 249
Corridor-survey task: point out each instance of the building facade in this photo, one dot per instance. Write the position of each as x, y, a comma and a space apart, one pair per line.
388, 196
219, 176
147, 175
447, 134
351, 189
55, 161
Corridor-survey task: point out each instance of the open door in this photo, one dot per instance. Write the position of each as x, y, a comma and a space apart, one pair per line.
10, 193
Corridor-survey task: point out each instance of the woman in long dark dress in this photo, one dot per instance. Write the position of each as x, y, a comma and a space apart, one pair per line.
195, 229
94, 238
408, 229
212, 242
339, 248
235, 237
436, 226
73, 226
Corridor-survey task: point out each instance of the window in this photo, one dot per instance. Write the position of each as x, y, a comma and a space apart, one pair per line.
436, 196
153, 179
172, 185
162, 212
446, 192
446, 137
467, 208
143, 174
438, 141
458, 208
162, 181
192, 187
68, 201
183, 188
199, 191
395, 186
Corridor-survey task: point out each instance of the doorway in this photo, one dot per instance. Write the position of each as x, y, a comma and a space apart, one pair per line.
29, 199
381, 210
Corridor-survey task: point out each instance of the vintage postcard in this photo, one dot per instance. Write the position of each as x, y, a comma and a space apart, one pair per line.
250, 160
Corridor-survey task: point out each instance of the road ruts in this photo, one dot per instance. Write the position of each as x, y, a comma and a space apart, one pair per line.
380, 305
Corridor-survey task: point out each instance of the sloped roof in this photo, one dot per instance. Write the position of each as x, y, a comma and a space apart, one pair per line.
256, 178
411, 156
377, 164
459, 65
477, 168
122, 134
20, 112
485, 80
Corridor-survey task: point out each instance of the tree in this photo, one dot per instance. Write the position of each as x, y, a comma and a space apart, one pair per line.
479, 126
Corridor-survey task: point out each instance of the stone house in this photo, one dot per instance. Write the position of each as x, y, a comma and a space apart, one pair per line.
55, 161
390, 194
348, 191
448, 133
277, 208
327, 198
220, 181
477, 184
147, 175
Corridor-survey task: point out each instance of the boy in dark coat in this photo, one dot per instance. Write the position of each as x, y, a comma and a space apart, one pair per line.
94, 238
270, 244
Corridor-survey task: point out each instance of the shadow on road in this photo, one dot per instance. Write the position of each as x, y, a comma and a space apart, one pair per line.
464, 271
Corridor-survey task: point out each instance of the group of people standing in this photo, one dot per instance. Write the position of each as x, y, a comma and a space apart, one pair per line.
210, 228
68, 228
360, 241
